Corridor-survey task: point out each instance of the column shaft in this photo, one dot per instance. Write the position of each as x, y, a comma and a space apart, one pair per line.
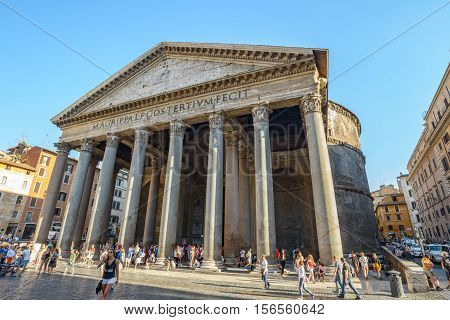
168, 226
48, 208
102, 194
231, 226
76, 194
327, 221
107, 218
128, 230
152, 203
244, 203
82, 213
264, 207
212, 232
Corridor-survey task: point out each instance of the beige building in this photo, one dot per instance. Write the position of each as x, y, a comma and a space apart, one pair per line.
226, 145
429, 166
15, 183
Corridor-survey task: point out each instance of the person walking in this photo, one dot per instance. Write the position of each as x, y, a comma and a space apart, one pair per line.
45, 259
302, 280
337, 274
376, 266
283, 261
445, 264
364, 262
310, 265
265, 272
71, 262
53, 260
347, 279
355, 262
110, 272
26, 254
427, 266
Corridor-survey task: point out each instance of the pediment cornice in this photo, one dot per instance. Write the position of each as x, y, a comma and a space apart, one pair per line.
280, 60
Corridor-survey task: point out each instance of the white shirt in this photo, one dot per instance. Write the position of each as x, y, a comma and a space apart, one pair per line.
363, 261
26, 254
301, 273
264, 265
11, 253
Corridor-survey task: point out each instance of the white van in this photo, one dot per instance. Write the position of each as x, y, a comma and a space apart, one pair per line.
433, 251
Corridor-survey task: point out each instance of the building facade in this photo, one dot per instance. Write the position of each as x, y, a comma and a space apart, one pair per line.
226, 145
392, 217
429, 166
406, 189
15, 183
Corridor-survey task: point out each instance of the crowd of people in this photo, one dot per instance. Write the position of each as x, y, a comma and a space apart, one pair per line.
15, 258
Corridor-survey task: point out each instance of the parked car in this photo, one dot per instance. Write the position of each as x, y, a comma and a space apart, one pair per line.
433, 251
415, 250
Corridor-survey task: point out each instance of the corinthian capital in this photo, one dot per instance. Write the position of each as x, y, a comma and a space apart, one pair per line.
311, 103
63, 148
216, 121
87, 145
242, 149
177, 128
231, 139
261, 112
112, 140
141, 135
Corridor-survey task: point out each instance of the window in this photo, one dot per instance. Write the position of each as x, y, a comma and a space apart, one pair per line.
45, 160
4, 179
15, 214
41, 172
394, 199
388, 217
410, 193
92, 202
401, 227
397, 209
29, 216
429, 168
390, 228
442, 212
37, 187
119, 182
114, 219
33, 202
19, 200
62, 196
386, 209
414, 205
446, 138
95, 187
444, 164
448, 208
56, 226
66, 178
417, 218
399, 217
24, 184
116, 205
69, 168
443, 190
57, 212
434, 164
438, 232
118, 193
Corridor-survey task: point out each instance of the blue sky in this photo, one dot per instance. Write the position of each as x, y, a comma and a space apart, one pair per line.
389, 91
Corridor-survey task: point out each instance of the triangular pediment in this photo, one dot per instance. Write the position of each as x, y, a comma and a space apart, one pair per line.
169, 67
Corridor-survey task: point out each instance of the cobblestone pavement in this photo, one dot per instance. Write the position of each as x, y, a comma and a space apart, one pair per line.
180, 284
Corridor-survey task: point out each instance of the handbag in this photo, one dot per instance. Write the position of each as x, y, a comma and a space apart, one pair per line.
99, 287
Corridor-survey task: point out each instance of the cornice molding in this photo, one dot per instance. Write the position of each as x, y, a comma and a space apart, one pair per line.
331, 140
239, 80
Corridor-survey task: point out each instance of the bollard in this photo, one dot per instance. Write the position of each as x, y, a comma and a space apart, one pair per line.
396, 284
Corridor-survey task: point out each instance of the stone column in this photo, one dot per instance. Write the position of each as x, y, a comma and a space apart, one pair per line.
102, 194
168, 226
264, 206
81, 219
212, 230
75, 196
107, 218
128, 230
327, 221
252, 200
231, 232
152, 203
48, 208
244, 229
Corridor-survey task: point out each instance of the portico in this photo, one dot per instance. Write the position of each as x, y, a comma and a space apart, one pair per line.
195, 115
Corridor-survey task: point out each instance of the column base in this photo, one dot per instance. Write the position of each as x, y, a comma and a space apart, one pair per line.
229, 262
160, 261
212, 265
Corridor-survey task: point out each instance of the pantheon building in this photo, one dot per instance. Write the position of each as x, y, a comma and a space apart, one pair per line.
226, 145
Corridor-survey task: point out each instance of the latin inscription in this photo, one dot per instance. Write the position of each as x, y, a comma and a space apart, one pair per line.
207, 103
